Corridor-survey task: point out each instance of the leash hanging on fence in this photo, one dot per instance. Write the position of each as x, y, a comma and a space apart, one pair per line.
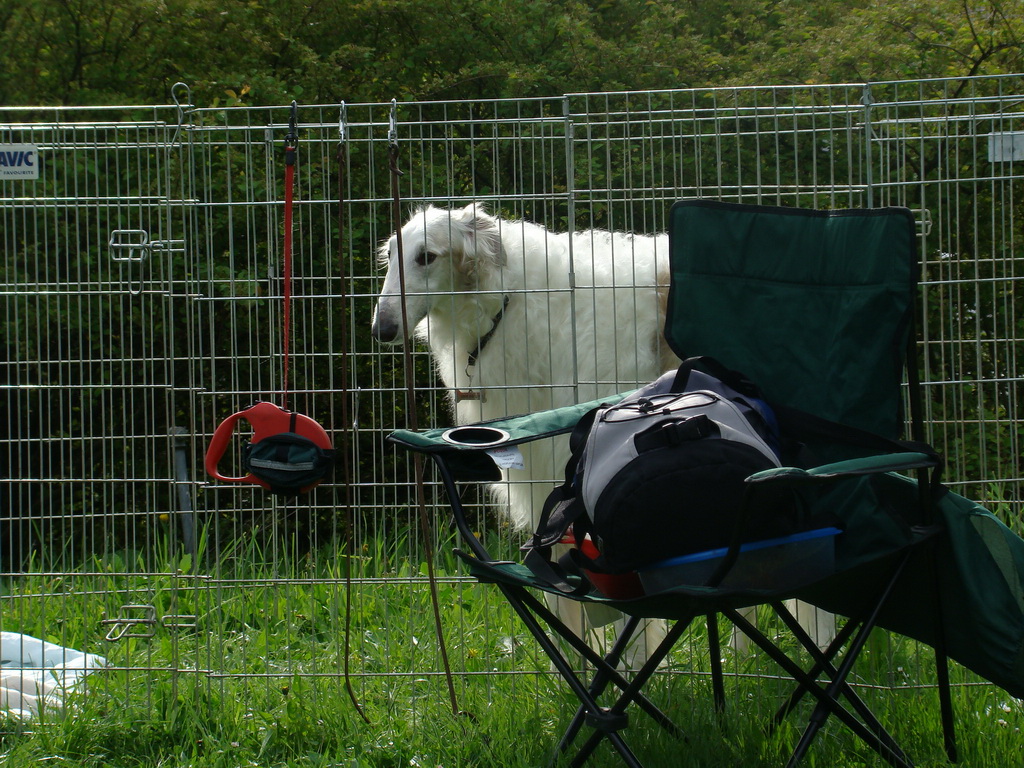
410, 407
288, 453
348, 422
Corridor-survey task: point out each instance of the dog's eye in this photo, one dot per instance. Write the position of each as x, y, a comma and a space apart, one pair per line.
425, 257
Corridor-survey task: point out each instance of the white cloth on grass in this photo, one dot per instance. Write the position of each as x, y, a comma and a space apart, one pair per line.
36, 674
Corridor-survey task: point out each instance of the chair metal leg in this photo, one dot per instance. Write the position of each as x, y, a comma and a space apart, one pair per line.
823, 663
633, 692
942, 669
613, 675
946, 707
879, 739
871, 732
615, 714
606, 721
827, 699
518, 599
599, 682
615, 740
882, 742
840, 640
715, 652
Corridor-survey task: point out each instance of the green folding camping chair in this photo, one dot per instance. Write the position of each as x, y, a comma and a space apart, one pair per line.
817, 308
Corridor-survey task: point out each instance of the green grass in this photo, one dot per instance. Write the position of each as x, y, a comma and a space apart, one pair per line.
257, 681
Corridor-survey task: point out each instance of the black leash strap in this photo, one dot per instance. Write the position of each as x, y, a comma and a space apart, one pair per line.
348, 434
410, 406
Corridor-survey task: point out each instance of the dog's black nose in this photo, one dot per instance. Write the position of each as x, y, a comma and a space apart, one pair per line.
384, 331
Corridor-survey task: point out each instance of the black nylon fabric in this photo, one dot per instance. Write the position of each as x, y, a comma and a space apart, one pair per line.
287, 462
680, 499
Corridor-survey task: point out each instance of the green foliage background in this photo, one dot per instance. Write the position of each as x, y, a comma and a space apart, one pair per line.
132, 51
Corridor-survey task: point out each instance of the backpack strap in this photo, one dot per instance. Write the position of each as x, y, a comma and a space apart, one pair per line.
708, 364
558, 515
801, 424
562, 509
672, 433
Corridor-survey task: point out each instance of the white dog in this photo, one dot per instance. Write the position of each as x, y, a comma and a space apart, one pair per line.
492, 299
520, 319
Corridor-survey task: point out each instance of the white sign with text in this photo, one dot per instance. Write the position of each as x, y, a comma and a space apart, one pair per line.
19, 161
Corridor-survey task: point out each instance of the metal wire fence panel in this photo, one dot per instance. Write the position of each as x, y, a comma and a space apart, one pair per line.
945, 149
783, 146
143, 304
90, 263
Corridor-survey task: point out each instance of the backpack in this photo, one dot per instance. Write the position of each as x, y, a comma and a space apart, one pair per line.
661, 474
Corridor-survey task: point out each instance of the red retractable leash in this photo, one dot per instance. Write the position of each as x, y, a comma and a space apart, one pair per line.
278, 456
288, 453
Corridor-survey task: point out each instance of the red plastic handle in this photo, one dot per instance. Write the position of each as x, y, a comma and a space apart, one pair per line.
219, 445
266, 419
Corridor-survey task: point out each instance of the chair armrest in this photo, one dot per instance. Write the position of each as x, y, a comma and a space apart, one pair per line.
510, 430
462, 451
793, 477
868, 465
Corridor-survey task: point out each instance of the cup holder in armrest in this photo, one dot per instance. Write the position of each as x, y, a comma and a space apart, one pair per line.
476, 437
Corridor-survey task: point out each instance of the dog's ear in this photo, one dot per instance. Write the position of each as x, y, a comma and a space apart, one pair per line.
482, 244
384, 253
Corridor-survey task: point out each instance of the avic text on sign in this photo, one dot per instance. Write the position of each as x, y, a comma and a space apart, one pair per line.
19, 161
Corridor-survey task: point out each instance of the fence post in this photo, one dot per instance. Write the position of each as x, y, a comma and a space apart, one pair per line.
869, 175
185, 510
570, 193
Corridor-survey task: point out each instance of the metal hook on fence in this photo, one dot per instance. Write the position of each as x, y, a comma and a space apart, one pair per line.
135, 621
133, 246
293, 124
188, 95
393, 124
181, 107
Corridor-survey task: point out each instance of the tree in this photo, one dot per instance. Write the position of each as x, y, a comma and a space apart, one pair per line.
125, 51
829, 41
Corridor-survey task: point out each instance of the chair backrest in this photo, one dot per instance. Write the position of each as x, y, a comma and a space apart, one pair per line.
816, 307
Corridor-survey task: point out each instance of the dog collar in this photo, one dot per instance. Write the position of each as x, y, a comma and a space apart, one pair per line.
468, 394
485, 339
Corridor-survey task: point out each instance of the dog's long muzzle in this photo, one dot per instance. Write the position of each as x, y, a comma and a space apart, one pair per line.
386, 333
386, 328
